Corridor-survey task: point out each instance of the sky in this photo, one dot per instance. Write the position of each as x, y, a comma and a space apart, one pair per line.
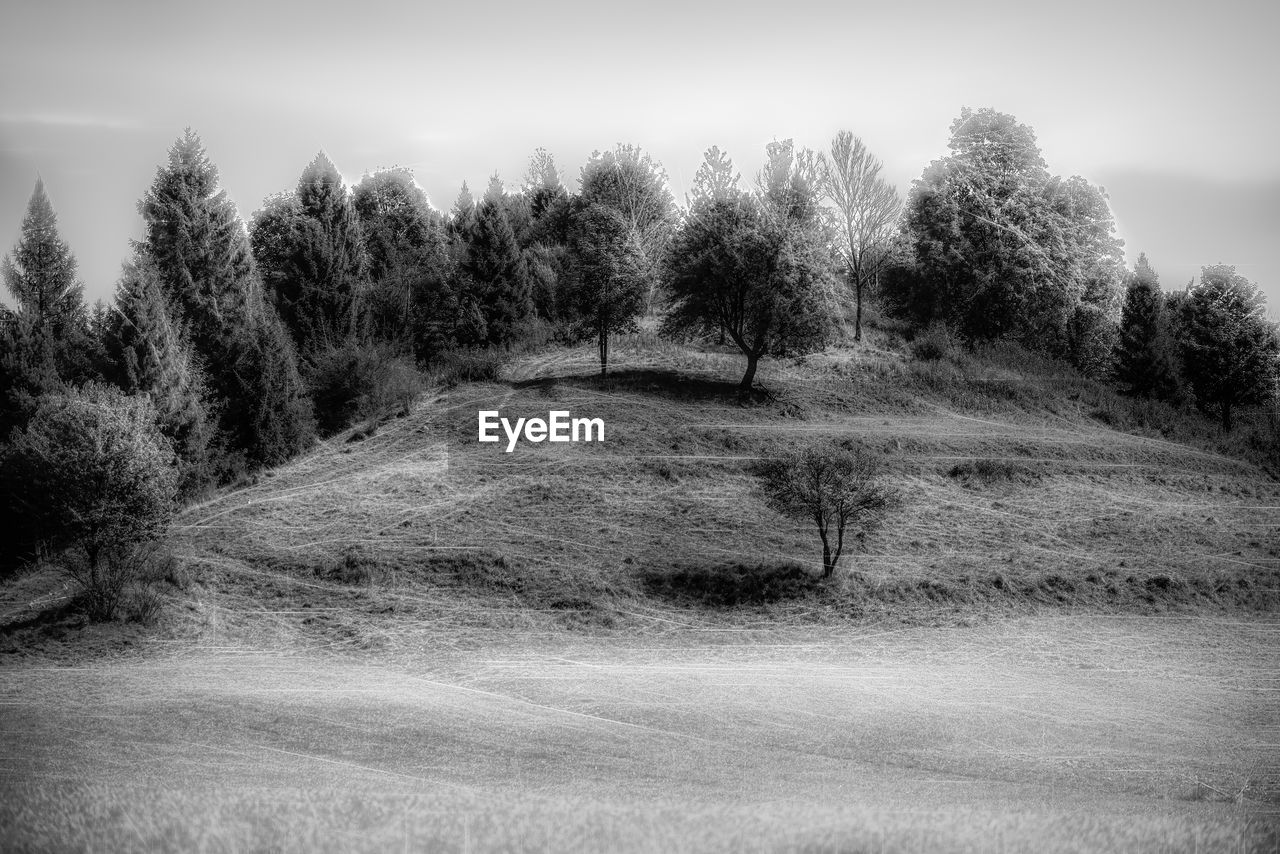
1170, 106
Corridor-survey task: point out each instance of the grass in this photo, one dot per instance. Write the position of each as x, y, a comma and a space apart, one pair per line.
1036, 734
1064, 639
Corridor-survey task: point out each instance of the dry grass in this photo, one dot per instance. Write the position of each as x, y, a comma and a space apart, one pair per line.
1039, 734
414, 640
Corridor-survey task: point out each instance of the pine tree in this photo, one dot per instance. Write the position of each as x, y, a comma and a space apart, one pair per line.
201, 253
152, 357
277, 417
47, 343
199, 250
1144, 354
494, 263
329, 266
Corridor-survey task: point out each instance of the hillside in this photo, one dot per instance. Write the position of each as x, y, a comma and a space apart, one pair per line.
1064, 640
1017, 498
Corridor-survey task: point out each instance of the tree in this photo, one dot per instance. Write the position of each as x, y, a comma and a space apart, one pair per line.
47, 343
151, 357
406, 246
636, 187
1008, 249
837, 488
312, 257
543, 183
1144, 353
715, 181
99, 479
760, 279
1230, 351
606, 287
200, 251
493, 263
866, 212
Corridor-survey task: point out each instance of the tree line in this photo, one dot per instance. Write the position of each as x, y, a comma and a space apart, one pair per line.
243, 342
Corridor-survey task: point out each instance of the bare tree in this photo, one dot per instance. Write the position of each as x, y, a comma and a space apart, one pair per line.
837, 488
866, 209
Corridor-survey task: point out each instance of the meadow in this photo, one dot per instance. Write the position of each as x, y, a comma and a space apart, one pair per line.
1064, 640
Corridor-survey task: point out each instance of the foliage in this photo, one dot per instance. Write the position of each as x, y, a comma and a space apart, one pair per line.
866, 209
715, 181
493, 265
836, 487
406, 248
1230, 351
636, 186
759, 279
150, 356
201, 255
1145, 365
311, 254
605, 287
99, 478
273, 414
47, 342
1005, 248
350, 381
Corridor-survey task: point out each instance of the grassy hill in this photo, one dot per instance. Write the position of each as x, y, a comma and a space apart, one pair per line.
1019, 496
407, 640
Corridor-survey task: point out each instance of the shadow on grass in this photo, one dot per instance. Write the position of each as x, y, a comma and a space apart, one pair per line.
662, 383
729, 585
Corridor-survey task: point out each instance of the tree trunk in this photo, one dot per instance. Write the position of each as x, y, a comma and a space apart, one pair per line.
749, 377
828, 565
857, 317
604, 353
1226, 416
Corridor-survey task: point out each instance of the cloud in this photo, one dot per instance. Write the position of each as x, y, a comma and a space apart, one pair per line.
71, 120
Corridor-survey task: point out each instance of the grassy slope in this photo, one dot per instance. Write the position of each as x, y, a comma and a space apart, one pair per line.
373, 543
418, 641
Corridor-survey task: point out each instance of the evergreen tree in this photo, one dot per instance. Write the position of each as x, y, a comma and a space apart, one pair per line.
330, 259
47, 341
152, 357
1144, 354
1230, 351
493, 262
200, 252
197, 243
276, 416
463, 215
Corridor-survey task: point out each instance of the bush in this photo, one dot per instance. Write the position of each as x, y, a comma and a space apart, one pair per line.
352, 381
92, 474
934, 344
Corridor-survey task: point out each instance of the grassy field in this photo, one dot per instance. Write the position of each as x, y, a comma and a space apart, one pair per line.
406, 640
1034, 734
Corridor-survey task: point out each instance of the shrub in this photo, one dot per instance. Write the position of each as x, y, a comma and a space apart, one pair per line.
935, 343
98, 480
351, 381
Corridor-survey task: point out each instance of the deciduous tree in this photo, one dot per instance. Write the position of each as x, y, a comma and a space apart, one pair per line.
759, 278
864, 215
605, 287
839, 489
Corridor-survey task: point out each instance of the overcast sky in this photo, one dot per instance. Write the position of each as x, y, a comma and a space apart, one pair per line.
1171, 106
